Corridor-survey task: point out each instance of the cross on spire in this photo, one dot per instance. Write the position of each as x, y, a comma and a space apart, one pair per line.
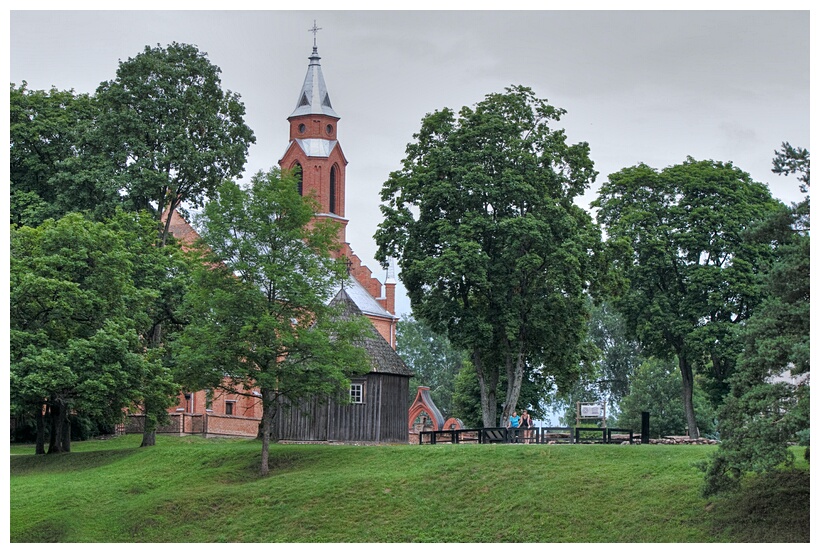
314, 30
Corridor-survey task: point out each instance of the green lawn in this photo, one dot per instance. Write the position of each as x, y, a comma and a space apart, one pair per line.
197, 490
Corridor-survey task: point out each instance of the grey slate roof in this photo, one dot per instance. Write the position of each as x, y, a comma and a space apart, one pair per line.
313, 98
384, 358
364, 301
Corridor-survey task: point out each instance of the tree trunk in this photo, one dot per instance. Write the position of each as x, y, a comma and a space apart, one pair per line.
488, 383
165, 226
54, 427
268, 406
65, 439
149, 437
688, 389
40, 446
149, 430
515, 376
59, 425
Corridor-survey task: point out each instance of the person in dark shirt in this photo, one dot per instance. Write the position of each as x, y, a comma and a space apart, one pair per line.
526, 424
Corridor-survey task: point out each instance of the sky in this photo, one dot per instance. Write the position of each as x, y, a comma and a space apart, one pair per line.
639, 86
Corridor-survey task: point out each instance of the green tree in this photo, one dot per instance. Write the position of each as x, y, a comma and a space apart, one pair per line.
170, 130
620, 355
693, 278
768, 404
433, 360
606, 378
171, 135
467, 397
53, 169
258, 307
75, 323
166, 272
655, 388
493, 252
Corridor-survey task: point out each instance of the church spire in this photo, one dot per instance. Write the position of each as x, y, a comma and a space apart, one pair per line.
313, 98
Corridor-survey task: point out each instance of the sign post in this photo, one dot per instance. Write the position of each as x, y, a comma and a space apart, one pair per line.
595, 411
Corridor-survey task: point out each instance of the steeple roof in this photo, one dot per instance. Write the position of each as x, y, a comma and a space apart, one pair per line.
313, 98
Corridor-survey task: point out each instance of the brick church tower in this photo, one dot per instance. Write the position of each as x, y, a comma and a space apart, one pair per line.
314, 151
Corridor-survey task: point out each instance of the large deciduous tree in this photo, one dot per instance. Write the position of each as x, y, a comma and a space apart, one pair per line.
75, 323
768, 403
161, 136
491, 247
53, 167
173, 134
165, 272
693, 277
258, 308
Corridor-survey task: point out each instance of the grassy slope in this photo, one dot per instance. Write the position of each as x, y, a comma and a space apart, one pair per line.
194, 490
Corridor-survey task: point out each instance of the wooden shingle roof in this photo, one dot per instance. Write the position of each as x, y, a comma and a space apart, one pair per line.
384, 358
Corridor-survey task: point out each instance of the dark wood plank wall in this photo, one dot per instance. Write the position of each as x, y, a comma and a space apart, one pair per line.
394, 422
358, 422
305, 421
381, 418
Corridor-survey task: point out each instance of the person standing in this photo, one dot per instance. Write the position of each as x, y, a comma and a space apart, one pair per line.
514, 421
526, 424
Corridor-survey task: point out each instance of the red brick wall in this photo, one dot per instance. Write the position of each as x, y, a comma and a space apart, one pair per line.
195, 424
316, 170
223, 425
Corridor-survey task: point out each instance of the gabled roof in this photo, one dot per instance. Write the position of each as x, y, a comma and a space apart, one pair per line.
313, 98
366, 303
384, 358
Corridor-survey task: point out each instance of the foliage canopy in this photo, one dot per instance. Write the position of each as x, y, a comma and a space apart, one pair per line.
258, 306
170, 130
769, 401
78, 312
491, 247
678, 238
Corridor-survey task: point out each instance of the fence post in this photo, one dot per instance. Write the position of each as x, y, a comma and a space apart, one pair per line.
644, 427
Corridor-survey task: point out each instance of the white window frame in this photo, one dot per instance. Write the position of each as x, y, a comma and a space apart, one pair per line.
357, 393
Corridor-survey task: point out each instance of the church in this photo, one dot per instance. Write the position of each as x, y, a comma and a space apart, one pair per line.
377, 411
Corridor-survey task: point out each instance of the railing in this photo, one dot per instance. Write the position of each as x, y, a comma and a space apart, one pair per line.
605, 435
555, 435
534, 435
459, 436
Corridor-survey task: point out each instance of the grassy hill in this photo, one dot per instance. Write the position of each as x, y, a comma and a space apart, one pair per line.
197, 490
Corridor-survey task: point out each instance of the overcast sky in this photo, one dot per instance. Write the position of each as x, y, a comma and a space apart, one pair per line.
638, 86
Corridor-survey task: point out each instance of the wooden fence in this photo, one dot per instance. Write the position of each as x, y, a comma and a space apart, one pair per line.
535, 435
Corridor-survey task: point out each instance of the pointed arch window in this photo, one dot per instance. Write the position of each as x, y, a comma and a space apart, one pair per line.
333, 196
297, 169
